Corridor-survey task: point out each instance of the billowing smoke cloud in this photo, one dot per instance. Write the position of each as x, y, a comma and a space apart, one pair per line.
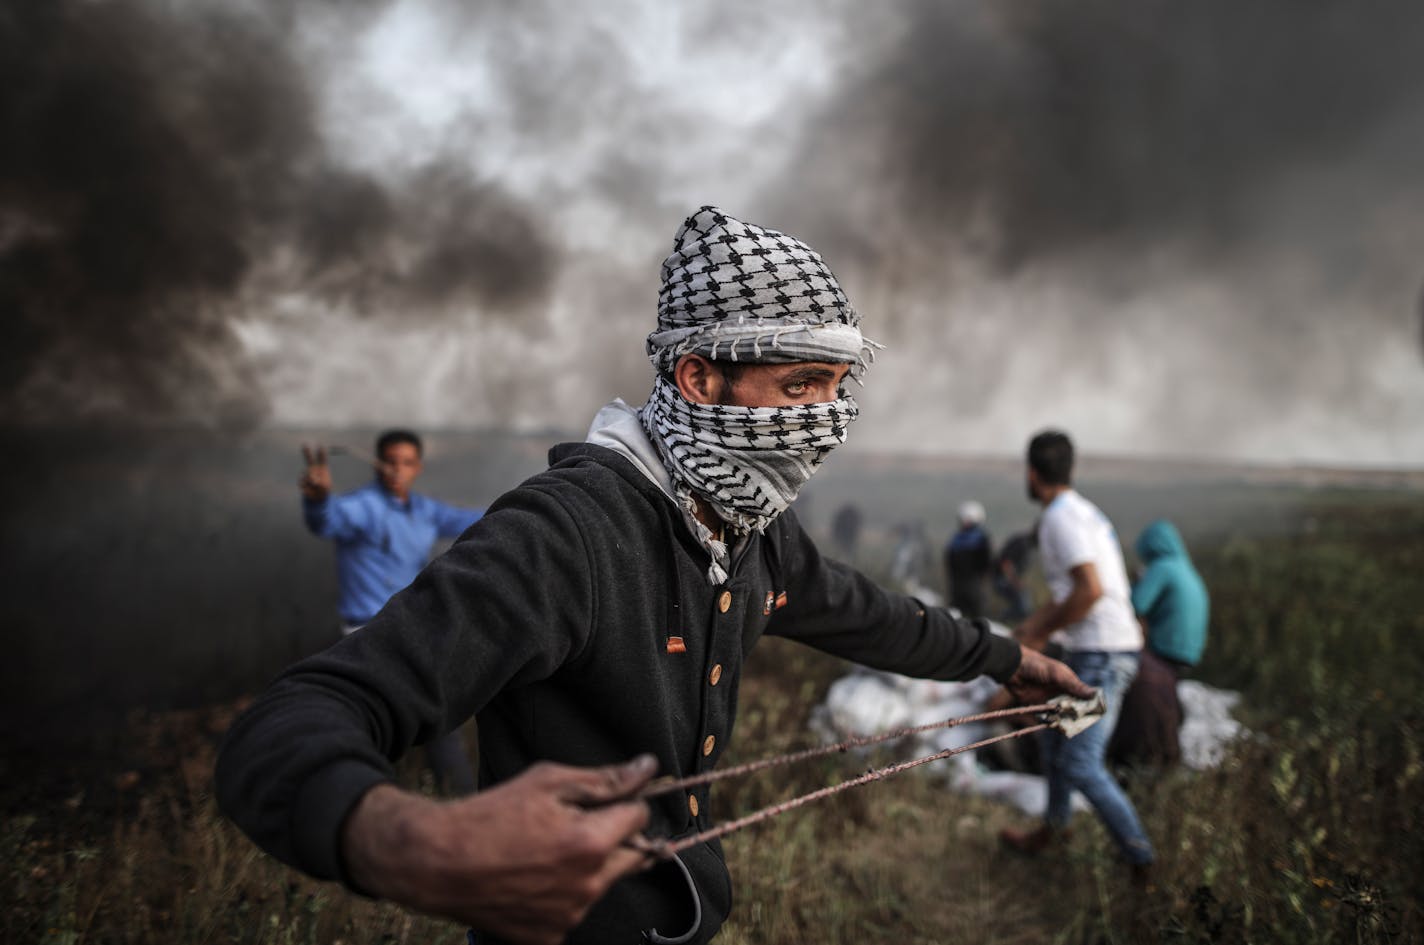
163, 172
615, 120
1065, 126
1173, 227
1190, 226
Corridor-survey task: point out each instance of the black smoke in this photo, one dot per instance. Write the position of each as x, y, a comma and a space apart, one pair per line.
1051, 128
159, 161
1209, 211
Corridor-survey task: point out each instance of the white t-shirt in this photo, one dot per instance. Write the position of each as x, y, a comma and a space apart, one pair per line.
1074, 531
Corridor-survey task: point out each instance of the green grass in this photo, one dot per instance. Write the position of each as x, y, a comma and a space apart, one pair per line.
1310, 832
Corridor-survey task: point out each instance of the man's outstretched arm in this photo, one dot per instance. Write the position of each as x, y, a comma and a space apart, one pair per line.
327, 516
843, 612
320, 742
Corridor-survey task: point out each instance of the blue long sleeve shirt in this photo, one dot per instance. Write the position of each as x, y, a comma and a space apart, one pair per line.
381, 542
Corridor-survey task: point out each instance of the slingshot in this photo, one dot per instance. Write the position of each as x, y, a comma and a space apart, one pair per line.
1062, 713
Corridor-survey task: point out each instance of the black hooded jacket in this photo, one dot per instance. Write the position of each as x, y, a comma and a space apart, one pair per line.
577, 623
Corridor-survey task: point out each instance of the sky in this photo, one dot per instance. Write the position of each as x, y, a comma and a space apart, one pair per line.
1176, 230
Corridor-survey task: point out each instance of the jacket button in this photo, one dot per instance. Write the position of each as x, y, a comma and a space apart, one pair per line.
692, 804
724, 603
708, 744
716, 675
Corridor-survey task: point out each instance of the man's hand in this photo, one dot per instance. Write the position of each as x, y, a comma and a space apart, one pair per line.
316, 481
523, 861
1040, 678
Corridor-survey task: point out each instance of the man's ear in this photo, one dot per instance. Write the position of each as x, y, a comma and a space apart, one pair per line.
698, 379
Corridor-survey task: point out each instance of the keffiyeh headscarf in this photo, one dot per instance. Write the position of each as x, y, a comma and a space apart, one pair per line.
733, 291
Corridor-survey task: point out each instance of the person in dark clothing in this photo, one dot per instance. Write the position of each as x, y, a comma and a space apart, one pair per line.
968, 557
1149, 728
1010, 570
602, 611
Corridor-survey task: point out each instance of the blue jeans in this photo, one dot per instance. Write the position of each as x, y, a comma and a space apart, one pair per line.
1080, 762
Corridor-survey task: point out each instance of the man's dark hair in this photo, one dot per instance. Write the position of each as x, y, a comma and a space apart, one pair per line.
731, 370
392, 437
1050, 454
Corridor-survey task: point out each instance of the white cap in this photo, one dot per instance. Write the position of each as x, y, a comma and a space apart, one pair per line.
971, 513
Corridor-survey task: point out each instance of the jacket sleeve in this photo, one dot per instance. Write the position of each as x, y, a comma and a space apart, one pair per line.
339, 517
835, 608
478, 619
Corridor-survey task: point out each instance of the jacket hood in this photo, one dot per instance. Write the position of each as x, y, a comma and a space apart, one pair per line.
617, 427
1160, 540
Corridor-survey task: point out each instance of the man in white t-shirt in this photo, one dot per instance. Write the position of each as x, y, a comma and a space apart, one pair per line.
1091, 617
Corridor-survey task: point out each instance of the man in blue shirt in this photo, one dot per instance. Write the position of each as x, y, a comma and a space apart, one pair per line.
383, 533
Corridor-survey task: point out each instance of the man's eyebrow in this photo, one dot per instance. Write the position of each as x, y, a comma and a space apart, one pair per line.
807, 373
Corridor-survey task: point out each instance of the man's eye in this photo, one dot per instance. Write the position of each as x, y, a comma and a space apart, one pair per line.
797, 388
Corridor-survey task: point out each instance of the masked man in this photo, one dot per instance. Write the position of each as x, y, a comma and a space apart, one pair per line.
601, 612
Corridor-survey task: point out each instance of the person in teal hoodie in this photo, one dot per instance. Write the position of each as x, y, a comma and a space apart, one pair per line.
1172, 604
1170, 598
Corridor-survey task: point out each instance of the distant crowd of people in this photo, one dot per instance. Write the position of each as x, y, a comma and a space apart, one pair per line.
1133, 639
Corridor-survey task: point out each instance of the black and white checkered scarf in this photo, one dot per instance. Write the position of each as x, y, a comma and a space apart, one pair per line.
736, 291
747, 463
733, 291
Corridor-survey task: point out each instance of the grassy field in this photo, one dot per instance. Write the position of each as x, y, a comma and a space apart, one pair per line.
1309, 833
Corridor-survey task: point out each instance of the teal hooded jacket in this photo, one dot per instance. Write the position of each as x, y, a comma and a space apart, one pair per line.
1170, 596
